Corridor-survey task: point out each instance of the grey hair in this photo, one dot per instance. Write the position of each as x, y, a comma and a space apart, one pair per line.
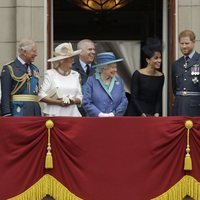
99, 69
81, 43
25, 45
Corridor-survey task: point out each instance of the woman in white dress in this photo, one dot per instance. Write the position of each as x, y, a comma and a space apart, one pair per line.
61, 88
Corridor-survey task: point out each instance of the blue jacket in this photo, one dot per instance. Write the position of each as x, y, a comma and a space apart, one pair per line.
97, 99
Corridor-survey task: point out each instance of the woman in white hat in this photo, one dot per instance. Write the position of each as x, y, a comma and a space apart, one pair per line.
61, 88
105, 94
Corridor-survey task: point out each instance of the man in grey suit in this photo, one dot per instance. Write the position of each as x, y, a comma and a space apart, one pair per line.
84, 63
186, 77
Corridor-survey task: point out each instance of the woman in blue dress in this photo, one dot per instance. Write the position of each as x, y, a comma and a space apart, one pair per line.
105, 94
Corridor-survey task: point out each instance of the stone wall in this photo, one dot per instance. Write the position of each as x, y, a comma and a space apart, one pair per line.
188, 17
21, 19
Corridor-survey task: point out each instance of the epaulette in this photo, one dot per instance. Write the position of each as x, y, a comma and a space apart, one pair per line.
12, 61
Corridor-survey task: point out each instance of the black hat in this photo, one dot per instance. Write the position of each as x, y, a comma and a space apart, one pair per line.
152, 45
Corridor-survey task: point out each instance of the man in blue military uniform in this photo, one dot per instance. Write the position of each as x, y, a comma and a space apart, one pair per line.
186, 77
19, 83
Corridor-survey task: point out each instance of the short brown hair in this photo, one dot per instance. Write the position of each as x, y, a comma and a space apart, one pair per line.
187, 33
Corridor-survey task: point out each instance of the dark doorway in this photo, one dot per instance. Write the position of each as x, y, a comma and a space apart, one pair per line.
136, 21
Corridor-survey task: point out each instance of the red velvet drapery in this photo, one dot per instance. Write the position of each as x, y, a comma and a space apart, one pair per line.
98, 158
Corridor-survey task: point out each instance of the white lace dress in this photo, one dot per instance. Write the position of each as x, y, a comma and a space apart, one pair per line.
65, 86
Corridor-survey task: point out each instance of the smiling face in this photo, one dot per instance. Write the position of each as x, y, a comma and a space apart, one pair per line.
155, 60
66, 64
87, 54
110, 70
29, 55
186, 45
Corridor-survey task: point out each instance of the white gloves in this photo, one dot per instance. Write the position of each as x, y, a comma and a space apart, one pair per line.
68, 99
111, 114
106, 114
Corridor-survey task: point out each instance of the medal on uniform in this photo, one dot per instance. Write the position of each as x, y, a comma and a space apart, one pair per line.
18, 109
195, 80
35, 73
197, 69
192, 70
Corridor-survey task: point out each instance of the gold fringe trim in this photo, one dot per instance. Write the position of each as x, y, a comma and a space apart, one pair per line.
49, 158
188, 159
46, 185
186, 186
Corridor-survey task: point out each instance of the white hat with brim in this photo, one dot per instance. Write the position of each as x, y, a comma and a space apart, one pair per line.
106, 58
64, 51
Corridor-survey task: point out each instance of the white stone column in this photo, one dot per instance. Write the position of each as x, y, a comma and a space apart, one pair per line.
21, 19
7, 31
30, 24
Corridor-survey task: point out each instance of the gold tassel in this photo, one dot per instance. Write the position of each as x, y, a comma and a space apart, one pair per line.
49, 161
49, 158
188, 163
188, 159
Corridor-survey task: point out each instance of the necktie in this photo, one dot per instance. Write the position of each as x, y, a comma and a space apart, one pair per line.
87, 69
187, 58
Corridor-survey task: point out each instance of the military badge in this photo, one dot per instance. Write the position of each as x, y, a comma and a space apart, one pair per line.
18, 109
35, 73
195, 80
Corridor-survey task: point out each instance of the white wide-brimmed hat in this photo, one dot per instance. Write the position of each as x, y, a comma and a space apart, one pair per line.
63, 51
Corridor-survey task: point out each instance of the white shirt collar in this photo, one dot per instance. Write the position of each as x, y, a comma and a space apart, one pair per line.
20, 60
191, 54
83, 65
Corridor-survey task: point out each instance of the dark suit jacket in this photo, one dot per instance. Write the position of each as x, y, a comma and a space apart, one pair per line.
77, 67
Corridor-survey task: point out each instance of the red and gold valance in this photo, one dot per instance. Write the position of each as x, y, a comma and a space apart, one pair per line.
99, 158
